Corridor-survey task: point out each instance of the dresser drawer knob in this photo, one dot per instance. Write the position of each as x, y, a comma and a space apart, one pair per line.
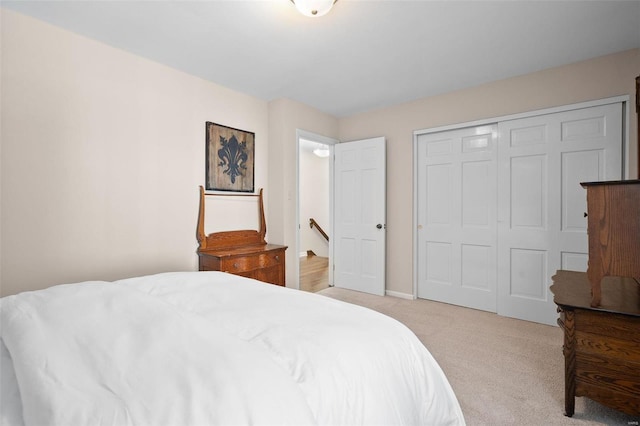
235, 265
277, 257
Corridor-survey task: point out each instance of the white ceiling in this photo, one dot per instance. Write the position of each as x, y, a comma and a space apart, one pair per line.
363, 55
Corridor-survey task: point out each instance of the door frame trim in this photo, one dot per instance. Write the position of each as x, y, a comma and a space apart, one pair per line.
624, 100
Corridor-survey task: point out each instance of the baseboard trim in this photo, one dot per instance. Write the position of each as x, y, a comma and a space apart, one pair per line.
399, 295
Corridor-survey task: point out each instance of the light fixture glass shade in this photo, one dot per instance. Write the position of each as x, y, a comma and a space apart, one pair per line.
322, 152
313, 8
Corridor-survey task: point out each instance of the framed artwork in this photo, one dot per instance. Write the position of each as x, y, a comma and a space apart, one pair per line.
638, 123
230, 159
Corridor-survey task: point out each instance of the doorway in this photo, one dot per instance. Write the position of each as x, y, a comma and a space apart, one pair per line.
314, 211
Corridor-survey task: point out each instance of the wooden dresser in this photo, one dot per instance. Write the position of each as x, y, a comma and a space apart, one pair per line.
613, 225
241, 252
601, 345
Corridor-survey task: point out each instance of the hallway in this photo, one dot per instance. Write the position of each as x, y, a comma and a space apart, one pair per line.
314, 273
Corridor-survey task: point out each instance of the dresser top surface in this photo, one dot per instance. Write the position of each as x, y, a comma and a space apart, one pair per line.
619, 295
241, 250
612, 182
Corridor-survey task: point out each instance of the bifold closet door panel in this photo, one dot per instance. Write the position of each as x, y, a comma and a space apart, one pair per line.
457, 217
541, 205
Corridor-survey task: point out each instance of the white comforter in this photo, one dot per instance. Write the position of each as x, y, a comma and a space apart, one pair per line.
208, 348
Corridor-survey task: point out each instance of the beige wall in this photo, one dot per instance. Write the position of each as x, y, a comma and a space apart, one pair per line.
102, 152
599, 78
102, 155
285, 117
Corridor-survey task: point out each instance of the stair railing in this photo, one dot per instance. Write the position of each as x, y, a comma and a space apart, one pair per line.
312, 223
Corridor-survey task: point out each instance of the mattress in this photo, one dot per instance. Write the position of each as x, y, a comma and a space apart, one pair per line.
193, 348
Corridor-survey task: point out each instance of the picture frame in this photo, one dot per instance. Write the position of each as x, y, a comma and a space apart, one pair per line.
230, 159
638, 123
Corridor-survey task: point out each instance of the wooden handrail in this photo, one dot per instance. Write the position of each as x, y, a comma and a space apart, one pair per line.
312, 223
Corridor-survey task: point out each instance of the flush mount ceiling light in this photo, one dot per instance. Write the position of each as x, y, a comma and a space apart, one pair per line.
314, 8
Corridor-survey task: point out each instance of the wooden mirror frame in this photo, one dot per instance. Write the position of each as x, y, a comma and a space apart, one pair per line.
229, 239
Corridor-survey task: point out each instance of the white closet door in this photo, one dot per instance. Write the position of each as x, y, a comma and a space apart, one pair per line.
457, 217
541, 205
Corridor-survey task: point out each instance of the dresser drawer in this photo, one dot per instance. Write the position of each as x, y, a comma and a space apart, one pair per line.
251, 262
264, 262
596, 369
267, 260
609, 325
608, 380
239, 264
606, 346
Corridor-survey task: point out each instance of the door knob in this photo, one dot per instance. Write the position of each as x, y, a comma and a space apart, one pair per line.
379, 226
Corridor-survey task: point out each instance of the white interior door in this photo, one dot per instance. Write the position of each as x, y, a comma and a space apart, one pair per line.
541, 205
360, 215
457, 217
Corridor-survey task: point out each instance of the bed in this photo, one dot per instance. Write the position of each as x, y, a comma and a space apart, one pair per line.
211, 348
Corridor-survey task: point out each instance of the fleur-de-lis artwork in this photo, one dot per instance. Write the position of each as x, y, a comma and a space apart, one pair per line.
230, 159
233, 157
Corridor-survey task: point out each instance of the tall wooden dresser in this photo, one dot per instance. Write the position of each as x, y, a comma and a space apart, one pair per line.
241, 252
600, 310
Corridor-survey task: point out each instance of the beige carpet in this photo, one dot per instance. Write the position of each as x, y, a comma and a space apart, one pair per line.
504, 371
